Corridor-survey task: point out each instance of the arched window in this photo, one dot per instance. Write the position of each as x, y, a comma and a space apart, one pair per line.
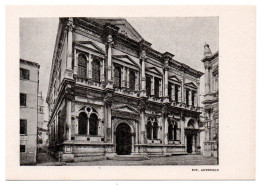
132, 80
149, 130
157, 87
148, 86
83, 122
82, 66
155, 130
117, 77
93, 124
170, 132
191, 123
96, 70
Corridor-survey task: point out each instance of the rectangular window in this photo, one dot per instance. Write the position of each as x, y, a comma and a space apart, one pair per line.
187, 97
24, 74
22, 99
23, 126
22, 148
157, 87
170, 91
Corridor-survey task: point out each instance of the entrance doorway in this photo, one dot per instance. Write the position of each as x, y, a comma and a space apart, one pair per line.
123, 139
189, 143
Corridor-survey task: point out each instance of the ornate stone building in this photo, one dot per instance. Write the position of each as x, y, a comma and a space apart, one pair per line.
110, 93
211, 111
29, 85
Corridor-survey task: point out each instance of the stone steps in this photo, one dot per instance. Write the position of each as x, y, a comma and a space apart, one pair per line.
128, 158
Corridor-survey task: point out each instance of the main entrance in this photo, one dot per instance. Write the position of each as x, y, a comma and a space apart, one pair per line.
123, 139
189, 143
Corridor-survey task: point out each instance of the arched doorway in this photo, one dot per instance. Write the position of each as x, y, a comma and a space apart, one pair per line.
190, 135
123, 139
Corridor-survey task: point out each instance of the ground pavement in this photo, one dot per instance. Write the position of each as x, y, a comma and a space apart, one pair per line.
45, 159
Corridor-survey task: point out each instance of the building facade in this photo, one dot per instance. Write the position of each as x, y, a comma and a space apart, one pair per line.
211, 102
29, 85
42, 141
110, 93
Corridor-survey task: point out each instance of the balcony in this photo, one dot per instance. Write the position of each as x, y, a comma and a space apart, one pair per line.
126, 92
89, 83
154, 99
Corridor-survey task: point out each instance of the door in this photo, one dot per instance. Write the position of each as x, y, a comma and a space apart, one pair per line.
123, 139
189, 143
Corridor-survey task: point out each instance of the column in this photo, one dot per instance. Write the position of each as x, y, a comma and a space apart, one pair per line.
207, 78
195, 99
142, 126
173, 92
69, 54
166, 74
75, 63
166, 130
123, 77
182, 122
109, 123
109, 62
198, 94
103, 71
127, 77
68, 111
152, 86
136, 81
190, 95
90, 67
161, 88
179, 94
143, 88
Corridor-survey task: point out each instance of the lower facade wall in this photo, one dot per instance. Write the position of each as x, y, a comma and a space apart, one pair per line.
85, 152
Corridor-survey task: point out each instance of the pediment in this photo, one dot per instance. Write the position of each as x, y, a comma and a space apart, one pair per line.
191, 84
126, 108
90, 46
126, 59
174, 78
154, 70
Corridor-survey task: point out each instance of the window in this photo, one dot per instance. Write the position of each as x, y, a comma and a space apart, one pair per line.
155, 130
157, 87
176, 93
193, 98
22, 99
170, 129
173, 131
22, 148
187, 97
88, 121
148, 86
82, 66
23, 126
93, 124
96, 70
83, 122
24, 74
149, 130
152, 129
170, 91
117, 77
132, 80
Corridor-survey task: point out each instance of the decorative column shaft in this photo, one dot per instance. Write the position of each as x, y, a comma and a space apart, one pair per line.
90, 67
103, 71
166, 72
190, 97
152, 85
127, 77
143, 87
68, 111
173, 92
123, 79
166, 124
69, 54
109, 62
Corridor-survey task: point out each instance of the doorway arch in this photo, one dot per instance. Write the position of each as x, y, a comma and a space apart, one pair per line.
123, 139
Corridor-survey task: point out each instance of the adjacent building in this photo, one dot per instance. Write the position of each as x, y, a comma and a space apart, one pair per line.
211, 102
110, 93
42, 126
29, 85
